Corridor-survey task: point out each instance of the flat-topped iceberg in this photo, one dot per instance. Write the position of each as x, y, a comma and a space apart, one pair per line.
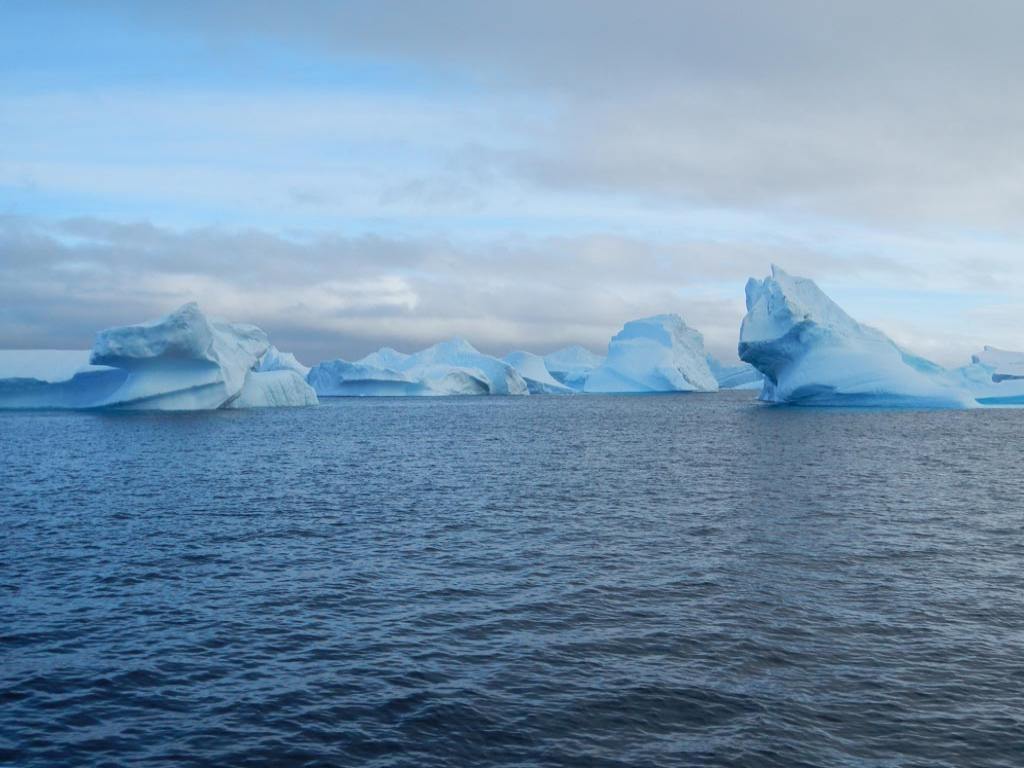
452, 367
538, 378
812, 353
654, 354
571, 366
183, 361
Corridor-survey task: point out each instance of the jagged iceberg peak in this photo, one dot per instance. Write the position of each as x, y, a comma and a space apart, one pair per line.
811, 352
182, 361
654, 354
538, 378
571, 366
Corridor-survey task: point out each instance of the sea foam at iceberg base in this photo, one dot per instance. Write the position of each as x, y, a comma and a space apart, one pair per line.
181, 362
812, 353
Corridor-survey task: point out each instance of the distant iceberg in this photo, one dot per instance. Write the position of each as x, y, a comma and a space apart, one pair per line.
571, 366
654, 354
340, 378
994, 377
812, 353
452, 367
183, 361
538, 378
742, 376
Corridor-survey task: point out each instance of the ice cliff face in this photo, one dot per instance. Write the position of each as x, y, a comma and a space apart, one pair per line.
655, 354
812, 353
538, 379
183, 361
571, 366
450, 368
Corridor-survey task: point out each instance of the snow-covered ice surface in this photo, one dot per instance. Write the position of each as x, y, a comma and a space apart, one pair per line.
538, 378
654, 354
571, 366
742, 376
812, 353
183, 361
452, 367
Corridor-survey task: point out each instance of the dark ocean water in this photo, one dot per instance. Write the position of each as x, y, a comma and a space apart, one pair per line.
592, 581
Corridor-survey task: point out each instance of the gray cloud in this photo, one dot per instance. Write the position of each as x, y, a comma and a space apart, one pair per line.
899, 115
328, 295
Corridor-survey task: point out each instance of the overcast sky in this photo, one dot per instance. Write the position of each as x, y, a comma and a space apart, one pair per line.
525, 175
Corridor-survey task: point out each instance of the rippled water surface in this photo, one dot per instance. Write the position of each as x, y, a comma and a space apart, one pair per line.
599, 581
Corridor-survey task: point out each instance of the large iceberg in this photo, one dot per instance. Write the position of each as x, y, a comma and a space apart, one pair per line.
654, 354
452, 367
571, 366
742, 376
183, 361
538, 378
812, 353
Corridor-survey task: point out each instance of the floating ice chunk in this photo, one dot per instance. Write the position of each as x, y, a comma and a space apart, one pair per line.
654, 354
572, 365
812, 353
538, 379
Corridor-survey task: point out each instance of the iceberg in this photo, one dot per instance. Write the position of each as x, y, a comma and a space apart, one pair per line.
340, 378
276, 360
742, 376
533, 370
812, 353
994, 377
183, 361
571, 366
654, 354
452, 367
